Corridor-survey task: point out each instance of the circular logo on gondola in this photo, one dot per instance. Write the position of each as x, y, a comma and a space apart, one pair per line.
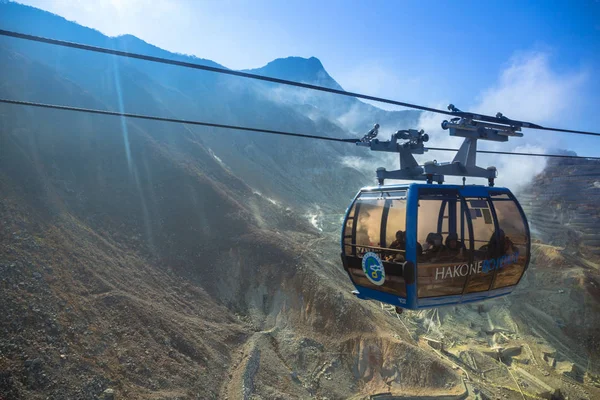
373, 268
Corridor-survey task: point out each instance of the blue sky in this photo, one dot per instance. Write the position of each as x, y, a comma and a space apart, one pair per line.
534, 60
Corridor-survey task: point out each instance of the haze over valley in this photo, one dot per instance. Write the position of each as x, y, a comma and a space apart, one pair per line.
152, 260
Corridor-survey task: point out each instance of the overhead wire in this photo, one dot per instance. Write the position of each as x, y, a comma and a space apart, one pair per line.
175, 120
248, 129
226, 71
516, 153
212, 69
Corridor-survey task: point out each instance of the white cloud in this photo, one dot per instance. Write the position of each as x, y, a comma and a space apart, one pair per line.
528, 89
368, 165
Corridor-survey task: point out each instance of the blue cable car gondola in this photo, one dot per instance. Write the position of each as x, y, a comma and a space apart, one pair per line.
422, 245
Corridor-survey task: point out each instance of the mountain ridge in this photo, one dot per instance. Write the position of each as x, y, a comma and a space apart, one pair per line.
45, 23
161, 260
173, 262
350, 113
34, 21
306, 70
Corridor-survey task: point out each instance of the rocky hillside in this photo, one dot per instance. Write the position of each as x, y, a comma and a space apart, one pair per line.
154, 272
145, 260
348, 112
293, 170
562, 204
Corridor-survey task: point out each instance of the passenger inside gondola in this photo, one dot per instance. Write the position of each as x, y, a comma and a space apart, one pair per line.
509, 246
453, 244
500, 245
433, 248
419, 250
455, 249
398, 244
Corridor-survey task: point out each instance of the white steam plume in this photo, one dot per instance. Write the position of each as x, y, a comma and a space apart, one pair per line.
528, 89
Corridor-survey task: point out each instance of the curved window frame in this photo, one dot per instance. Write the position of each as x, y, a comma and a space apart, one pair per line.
350, 258
426, 192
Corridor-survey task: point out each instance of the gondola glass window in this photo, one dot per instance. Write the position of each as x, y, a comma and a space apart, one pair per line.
368, 232
441, 219
511, 251
372, 224
396, 222
484, 229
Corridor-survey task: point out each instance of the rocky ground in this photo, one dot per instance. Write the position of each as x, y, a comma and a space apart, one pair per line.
249, 300
106, 296
140, 260
84, 318
89, 312
540, 342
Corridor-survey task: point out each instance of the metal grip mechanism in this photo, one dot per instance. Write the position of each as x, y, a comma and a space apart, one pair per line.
472, 127
372, 134
413, 143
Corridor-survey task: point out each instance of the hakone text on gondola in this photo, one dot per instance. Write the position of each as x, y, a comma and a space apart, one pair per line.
485, 266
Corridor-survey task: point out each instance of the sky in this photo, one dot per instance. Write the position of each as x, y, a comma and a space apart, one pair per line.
532, 60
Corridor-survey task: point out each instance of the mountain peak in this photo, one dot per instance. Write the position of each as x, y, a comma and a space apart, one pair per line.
311, 63
308, 70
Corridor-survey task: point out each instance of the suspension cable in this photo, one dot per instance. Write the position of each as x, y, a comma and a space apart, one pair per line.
212, 69
501, 120
516, 153
248, 129
175, 120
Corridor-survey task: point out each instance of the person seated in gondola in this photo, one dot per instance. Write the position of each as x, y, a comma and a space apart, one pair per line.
455, 249
500, 245
433, 248
398, 244
509, 247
